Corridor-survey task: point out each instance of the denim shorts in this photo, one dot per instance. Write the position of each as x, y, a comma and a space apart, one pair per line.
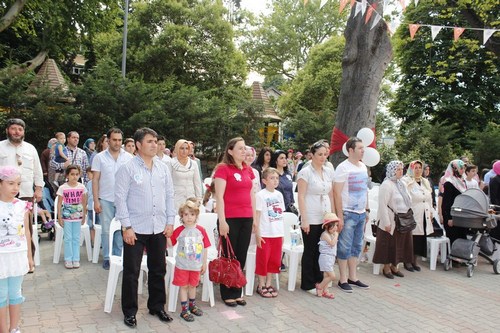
351, 236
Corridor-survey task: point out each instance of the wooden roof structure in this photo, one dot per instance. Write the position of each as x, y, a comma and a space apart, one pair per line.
50, 76
258, 94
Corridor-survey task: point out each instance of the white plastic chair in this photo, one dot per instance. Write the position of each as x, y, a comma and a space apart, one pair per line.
250, 268
97, 240
291, 221
116, 266
85, 236
368, 238
34, 236
435, 245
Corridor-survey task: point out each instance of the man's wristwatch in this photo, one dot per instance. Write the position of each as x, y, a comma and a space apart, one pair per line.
126, 228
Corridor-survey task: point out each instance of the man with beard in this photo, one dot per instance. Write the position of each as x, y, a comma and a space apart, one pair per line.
16, 152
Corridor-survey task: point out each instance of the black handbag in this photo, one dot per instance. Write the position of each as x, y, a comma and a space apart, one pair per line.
405, 222
292, 209
438, 230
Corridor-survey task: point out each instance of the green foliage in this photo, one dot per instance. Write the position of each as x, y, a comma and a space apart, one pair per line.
456, 83
486, 145
310, 100
279, 44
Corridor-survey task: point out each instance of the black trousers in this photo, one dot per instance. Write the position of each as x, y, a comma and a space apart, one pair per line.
311, 274
240, 230
132, 258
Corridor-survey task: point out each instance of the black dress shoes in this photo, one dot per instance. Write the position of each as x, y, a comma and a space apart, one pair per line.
162, 315
388, 275
409, 267
416, 268
130, 321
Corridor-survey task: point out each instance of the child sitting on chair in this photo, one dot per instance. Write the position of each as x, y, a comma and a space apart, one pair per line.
191, 258
327, 253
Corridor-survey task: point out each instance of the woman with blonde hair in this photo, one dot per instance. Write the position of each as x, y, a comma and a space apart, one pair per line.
185, 175
421, 203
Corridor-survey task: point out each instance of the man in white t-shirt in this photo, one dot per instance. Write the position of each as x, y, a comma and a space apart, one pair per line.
350, 192
104, 167
162, 144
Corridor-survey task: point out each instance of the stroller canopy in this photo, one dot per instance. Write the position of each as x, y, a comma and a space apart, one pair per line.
472, 203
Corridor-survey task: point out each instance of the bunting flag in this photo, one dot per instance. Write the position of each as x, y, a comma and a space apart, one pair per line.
323, 2
376, 20
435, 29
487, 33
358, 9
413, 30
416, 3
352, 3
342, 5
403, 4
363, 7
457, 32
305, 2
369, 14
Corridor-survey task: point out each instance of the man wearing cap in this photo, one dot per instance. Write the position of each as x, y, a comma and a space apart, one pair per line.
15, 151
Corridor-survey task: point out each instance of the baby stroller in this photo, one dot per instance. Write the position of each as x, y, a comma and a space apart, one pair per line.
470, 210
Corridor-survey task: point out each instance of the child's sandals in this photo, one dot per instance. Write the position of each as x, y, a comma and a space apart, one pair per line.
272, 291
196, 311
327, 294
187, 316
264, 292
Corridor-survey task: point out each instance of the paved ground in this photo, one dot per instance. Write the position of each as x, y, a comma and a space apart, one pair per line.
60, 300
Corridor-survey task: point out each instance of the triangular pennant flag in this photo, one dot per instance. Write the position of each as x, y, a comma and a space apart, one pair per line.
435, 29
342, 5
388, 28
457, 32
358, 9
386, 2
323, 2
416, 3
487, 33
376, 20
305, 2
413, 30
352, 3
363, 7
403, 4
369, 13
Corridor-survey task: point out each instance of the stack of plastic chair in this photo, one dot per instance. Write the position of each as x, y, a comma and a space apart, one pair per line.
250, 268
173, 291
85, 236
34, 236
292, 251
97, 240
116, 266
369, 238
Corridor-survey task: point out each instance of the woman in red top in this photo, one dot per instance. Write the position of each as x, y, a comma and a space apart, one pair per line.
235, 208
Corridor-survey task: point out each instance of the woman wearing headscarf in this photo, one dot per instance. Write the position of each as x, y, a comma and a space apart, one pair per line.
421, 204
453, 185
185, 175
393, 246
89, 147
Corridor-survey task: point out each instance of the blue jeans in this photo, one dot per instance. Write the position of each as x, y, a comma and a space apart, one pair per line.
105, 217
10, 289
351, 236
72, 231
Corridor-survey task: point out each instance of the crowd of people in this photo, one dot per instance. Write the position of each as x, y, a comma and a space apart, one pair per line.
144, 186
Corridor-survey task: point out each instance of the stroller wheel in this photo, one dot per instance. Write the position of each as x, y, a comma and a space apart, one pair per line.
470, 270
447, 265
496, 266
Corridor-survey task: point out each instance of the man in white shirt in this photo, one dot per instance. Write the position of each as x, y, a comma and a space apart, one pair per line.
162, 144
350, 192
104, 167
16, 152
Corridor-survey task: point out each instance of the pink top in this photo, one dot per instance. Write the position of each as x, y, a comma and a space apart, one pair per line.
237, 199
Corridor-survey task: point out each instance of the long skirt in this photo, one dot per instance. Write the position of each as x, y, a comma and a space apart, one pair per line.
393, 249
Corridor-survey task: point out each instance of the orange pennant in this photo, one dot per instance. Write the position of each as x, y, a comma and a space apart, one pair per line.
369, 12
457, 32
305, 2
413, 30
343, 3
352, 3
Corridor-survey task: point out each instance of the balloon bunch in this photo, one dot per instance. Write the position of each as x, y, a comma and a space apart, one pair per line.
371, 156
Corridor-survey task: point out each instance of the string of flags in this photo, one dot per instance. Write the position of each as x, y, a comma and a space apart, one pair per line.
370, 9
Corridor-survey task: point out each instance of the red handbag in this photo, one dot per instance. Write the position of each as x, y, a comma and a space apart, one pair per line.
226, 270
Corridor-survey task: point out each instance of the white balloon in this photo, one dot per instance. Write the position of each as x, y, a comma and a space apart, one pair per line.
344, 149
366, 135
371, 157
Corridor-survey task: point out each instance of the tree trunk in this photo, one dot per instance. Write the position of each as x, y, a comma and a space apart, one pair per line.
25, 66
10, 16
366, 56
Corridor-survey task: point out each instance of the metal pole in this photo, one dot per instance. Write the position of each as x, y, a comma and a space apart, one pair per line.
125, 27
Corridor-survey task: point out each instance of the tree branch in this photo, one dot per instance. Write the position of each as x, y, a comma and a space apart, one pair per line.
25, 66
11, 14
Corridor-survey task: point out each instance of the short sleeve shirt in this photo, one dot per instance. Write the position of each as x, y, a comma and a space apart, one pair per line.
316, 197
72, 202
355, 190
271, 206
237, 198
12, 233
191, 242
